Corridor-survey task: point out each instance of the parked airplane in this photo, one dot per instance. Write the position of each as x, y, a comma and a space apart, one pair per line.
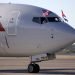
30, 31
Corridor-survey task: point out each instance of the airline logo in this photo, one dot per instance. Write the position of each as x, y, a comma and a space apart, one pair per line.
1, 28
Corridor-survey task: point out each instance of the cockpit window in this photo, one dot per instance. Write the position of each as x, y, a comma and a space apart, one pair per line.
36, 19
42, 20
53, 19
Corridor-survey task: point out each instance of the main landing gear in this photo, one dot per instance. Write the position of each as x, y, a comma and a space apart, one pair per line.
33, 68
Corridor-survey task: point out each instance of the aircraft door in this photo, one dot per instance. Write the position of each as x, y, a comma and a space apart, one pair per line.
12, 22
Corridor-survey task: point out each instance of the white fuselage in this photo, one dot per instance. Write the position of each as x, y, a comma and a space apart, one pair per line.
23, 37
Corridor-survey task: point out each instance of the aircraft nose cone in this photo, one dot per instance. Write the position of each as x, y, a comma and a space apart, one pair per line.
71, 31
72, 36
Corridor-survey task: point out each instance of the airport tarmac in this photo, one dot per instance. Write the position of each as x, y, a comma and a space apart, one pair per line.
62, 65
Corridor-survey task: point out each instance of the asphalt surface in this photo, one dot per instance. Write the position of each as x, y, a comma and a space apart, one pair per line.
62, 65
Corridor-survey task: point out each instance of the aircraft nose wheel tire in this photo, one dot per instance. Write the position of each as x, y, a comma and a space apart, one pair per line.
33, 68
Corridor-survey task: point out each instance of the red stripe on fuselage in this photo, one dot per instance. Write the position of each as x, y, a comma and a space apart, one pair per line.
1, 28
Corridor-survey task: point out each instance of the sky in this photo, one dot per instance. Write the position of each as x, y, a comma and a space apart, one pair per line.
68, 6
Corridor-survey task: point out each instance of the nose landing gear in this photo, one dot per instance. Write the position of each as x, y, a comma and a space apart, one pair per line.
33, 68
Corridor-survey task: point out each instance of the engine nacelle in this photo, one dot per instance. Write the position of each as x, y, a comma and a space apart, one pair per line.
43, 57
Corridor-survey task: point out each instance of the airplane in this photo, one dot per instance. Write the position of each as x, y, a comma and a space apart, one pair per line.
31, 31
